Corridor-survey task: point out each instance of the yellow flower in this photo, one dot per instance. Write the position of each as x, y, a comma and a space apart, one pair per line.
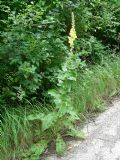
72, 35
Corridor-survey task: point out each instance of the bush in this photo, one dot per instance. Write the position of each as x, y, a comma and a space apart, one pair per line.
31, 54
34, 43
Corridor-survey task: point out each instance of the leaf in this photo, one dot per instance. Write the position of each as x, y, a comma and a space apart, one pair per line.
48, 120
53, 93
36, 150
77, 134
36, 116
73, 115
60, 145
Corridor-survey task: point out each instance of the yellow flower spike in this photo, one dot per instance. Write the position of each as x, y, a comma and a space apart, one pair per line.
72, 35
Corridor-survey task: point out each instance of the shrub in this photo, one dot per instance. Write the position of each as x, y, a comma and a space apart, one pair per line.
34, 42
30, 55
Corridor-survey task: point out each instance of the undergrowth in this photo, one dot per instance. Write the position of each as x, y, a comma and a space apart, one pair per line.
21, 130
47, 85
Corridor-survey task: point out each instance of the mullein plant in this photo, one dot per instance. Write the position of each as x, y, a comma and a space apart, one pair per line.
64, 114
62, 95
66, 76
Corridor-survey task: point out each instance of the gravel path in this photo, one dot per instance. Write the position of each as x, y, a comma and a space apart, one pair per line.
102, 142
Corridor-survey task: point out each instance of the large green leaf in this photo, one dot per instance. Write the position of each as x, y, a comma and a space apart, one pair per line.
60, 145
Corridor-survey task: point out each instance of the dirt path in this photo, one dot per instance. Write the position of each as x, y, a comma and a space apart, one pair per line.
103, 141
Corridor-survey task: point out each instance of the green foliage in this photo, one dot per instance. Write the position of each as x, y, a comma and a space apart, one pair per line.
21, 128
34, 46
35, 151
60, 145
33, 51
36, 65
76, 133
47, 120
95, 85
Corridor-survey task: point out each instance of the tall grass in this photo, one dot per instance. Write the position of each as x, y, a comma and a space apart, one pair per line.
96, 85
93, 87
18, 134
15, 134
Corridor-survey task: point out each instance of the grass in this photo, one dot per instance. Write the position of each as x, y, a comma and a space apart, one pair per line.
96, 85
93, 87
18, 134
